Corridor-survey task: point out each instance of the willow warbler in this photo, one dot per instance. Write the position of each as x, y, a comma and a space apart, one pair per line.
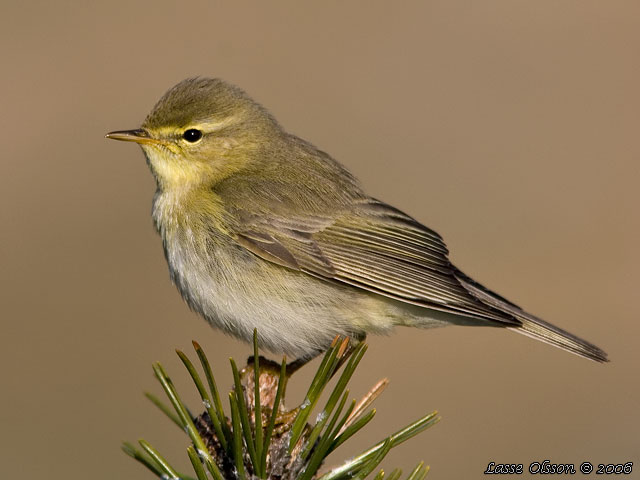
263, 230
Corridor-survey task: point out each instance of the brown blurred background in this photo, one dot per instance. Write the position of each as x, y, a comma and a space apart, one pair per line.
509, 127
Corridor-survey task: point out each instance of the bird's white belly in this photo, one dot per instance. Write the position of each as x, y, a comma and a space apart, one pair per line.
236, 291
294, 312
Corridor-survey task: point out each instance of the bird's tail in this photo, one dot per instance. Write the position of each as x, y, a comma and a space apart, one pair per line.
533, 326
545, 332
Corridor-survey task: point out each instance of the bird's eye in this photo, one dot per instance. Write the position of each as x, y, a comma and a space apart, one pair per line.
192, 135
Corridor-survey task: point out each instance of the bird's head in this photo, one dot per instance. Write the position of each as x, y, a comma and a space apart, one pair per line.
200, 132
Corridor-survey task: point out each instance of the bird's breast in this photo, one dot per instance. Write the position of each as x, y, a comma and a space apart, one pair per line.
237, 291
204, 262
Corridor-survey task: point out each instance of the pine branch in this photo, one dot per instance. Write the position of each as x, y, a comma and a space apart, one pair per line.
265, 440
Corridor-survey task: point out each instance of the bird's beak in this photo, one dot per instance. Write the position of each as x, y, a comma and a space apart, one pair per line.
139, 136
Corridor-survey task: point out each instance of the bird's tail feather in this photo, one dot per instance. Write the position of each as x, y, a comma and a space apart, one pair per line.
545, 332
532, 326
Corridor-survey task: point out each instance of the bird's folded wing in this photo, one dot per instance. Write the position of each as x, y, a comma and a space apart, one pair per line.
374, 247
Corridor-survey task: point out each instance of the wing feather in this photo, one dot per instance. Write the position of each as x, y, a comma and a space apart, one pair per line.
377, 248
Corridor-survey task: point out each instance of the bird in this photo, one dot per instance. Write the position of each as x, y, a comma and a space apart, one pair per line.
262, 230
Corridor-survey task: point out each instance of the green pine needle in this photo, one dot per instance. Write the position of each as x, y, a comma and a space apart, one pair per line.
196, 463
164, 408
285, 445
204, 395
347, 470
258, 409
222, 420
237, 437
282, 380
166, 469
243, 414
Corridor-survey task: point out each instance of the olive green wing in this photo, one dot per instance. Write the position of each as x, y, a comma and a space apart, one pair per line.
378, 248
372, 246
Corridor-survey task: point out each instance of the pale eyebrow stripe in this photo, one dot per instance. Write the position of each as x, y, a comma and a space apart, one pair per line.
213, 126
206, 127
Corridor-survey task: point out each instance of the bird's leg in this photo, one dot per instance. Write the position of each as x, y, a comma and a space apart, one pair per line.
294, 366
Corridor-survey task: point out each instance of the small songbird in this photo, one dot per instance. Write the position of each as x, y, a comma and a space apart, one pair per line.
263, 230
